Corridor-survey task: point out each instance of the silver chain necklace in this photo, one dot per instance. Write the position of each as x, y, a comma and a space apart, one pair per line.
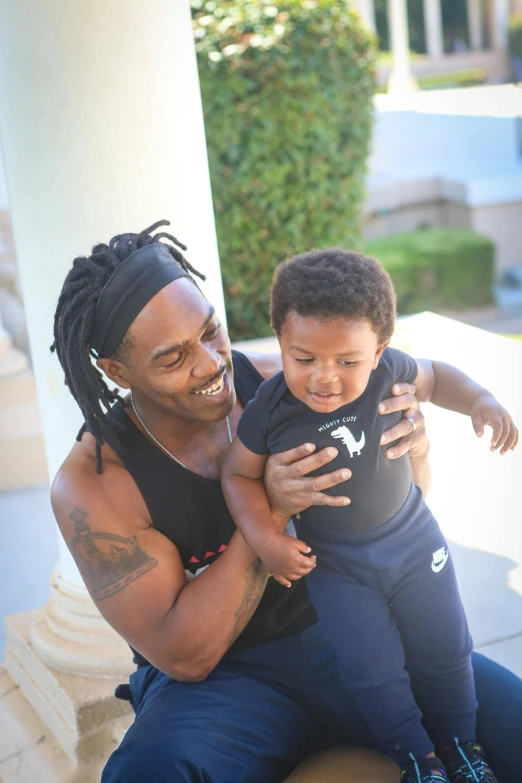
156, 441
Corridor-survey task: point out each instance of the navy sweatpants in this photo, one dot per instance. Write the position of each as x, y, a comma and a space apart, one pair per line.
389, 603
263, 710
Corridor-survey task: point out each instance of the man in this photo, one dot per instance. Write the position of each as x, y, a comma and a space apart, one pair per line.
235, 680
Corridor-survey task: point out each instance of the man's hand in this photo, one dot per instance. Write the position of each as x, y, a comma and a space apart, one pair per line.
412, 440
290, 491
487, 411
285, 557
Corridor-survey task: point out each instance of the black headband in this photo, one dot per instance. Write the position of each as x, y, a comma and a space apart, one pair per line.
134, 282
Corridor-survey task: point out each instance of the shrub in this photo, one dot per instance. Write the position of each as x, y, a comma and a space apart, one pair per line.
434, 269
515, 35
287, 91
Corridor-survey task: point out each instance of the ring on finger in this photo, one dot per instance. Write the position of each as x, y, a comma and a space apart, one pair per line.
412, 422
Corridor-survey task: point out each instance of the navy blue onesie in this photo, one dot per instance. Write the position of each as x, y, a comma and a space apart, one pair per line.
384, 587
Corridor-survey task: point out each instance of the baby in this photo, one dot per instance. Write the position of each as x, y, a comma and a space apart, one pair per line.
384, 587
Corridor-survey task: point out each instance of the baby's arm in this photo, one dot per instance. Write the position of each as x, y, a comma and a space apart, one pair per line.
241, 479
450, 388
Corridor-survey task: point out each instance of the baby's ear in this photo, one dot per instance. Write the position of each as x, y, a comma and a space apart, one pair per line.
379, 353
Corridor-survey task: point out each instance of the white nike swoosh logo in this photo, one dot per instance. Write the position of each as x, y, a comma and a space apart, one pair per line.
436, 567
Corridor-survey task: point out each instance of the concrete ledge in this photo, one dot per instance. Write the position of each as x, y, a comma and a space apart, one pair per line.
346, 765
81, 712
29, 752
22, 454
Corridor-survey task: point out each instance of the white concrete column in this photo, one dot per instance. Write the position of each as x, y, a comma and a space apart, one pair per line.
401, 78
475, 25
4, 200
500, 19
433, 28
366, 10
102, 132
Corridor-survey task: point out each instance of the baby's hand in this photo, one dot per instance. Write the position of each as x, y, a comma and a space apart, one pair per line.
487, 411
283, 556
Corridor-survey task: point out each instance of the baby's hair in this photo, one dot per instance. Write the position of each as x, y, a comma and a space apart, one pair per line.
334, 283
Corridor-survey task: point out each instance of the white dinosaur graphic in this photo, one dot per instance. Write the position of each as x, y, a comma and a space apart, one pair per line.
353, 446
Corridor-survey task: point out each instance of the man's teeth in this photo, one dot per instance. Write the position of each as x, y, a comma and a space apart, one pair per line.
217, 388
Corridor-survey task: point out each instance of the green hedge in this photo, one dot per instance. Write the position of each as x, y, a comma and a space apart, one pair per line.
287, 91
515, 35
434, 269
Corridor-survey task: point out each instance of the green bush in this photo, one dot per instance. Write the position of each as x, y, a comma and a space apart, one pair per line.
287, 91
433, 269
515, 35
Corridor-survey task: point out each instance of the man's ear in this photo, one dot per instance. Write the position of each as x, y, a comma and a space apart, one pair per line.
114, 370
379, 353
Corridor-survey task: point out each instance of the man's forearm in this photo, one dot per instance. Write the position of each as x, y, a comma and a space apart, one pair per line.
213, 609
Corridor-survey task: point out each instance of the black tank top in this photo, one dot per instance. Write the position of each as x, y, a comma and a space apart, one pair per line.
190, 510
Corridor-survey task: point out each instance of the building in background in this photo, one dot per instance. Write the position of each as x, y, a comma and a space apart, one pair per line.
441, 41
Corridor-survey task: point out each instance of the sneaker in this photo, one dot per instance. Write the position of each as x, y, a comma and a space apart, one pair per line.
465, 764
421, 771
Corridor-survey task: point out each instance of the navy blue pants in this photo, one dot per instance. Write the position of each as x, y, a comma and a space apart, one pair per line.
263, 710
388, 601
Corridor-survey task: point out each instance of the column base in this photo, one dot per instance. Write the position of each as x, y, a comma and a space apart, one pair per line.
28, 750
69, 721
401, 83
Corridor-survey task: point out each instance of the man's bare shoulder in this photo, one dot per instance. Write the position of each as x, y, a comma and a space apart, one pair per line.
113, 493
268, 364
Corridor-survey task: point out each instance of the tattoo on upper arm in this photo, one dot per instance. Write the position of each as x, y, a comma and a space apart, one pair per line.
107, 562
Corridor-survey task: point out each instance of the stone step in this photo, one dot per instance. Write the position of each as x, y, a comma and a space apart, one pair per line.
80, 711
12, 361
28, 750
22, 454
22, 462
19, 389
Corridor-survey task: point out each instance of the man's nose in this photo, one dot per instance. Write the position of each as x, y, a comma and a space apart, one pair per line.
207, 363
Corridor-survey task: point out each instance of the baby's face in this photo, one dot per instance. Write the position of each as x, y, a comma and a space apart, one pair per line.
327, 364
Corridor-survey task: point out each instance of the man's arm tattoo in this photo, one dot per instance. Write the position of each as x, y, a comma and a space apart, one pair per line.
252, 594
107, 562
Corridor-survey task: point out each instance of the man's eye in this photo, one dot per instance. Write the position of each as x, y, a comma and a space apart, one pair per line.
174, 363
213, 332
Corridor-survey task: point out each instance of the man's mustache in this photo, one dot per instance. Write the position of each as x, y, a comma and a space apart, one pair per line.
212, 380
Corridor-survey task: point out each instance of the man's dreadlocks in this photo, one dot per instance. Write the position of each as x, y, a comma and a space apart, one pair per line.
73, 322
